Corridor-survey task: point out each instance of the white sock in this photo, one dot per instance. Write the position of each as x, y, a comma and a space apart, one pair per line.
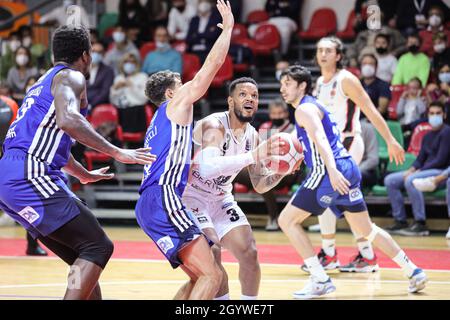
366, 249
403, 261
316, 269
328, 245
244, 297
224, 297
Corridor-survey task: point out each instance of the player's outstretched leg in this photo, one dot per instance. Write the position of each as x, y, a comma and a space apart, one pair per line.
361, 223
241, 243
205, 274
290, 222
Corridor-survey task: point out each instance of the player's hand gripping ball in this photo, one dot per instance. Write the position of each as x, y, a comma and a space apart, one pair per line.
290, 155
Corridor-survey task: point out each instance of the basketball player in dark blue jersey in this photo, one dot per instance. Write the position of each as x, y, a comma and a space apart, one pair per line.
33, 188
160, 211
333, 182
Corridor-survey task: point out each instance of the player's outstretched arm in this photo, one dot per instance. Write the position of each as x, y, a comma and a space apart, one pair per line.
354, 90
68, 88
75, 169
309, 117
193, 90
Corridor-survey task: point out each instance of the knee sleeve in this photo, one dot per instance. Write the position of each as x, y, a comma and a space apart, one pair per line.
98, 251
376, 230
327, 222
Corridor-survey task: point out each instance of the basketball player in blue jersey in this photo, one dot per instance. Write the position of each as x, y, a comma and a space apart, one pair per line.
33, 188
160, 211
333, 182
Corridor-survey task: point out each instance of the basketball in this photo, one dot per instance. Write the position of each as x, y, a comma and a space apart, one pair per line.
290, 155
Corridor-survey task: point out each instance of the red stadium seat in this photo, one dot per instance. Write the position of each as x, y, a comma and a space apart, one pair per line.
323, 23
416, 138
146, 48
224, 74
257, 16
267, 39
396, 93
354, 70
348, 33
239, 33
191, 65
149, 114
240, 188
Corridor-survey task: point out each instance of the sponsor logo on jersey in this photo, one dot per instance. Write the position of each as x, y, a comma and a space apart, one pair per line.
248, 145
326, 199
226, 205
222, 180
355, 195
165, 244
11, 133
29, 214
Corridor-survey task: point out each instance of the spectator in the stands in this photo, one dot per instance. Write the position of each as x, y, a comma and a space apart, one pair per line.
179, 19
94, 35
280, 67
101, 80
132, 12
435, 25
67, 13
164, 57
387, 8
377, 89
121, 46
411, 105
39, 53
440, 91
370, 159
441, 50
128, 94
434, 157
7, 58
157, 12
203, 30
432, 184
284, 15
19, 74
387, 62
412, 64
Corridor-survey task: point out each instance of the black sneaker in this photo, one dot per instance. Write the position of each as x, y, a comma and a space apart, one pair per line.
398, 225
36, 251
418, 229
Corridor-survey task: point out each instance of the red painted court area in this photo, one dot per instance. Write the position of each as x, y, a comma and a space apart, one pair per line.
277, 254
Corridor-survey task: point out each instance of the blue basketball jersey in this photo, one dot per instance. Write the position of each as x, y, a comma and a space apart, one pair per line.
313, 159
35, 131
171, 143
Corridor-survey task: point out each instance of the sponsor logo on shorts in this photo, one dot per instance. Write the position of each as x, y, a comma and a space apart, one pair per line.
355, 195
195, 211
227, 205
29, 214
165, 244
326, 199
202, 219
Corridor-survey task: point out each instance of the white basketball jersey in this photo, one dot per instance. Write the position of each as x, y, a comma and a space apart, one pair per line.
220, 186
344, 111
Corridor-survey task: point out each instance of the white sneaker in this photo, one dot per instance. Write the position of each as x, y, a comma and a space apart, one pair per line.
314, 228
6, 221
424, 184
447, 236
315, 289
272, 225
417, 281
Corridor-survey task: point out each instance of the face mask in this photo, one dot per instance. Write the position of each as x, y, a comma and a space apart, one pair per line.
434, 20
96, 58
435, 120
118, 37
204, 7
14, 45
129, 68
277, 122
440, 47
367, 71
381, 50
444, 77
414, 48
26, 42
22, 59
162, 45
278, 74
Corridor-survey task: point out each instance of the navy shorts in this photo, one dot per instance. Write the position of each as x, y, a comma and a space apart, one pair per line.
170, 229
316, 193
34, 194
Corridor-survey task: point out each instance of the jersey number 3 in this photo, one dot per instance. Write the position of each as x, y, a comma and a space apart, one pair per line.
233, 215
25, 107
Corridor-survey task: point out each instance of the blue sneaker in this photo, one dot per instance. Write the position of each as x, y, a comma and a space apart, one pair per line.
417, 281
315, 289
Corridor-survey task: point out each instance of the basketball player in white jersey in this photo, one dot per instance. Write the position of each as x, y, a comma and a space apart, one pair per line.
343, 95
226, 143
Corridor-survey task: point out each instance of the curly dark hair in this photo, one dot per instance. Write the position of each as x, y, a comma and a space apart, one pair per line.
69, 42
237, 81
158, 83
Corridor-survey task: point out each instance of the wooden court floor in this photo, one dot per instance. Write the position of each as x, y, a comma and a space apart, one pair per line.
45, 278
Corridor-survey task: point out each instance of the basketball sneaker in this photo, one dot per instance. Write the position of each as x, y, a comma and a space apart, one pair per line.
361, 264
327, 262
447, 236
315, 289
417, 281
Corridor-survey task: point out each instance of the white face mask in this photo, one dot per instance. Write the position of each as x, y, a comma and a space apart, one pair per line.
204, 7
440, 47
118, 37
22, 60
26, 42
162, 45
129, 68
368, 71
434, 20
14, 45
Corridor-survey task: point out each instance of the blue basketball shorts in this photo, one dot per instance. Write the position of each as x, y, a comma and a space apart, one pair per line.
316, 193
160, 213
34, 194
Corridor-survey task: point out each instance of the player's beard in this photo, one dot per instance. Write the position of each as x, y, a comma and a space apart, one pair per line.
241, 118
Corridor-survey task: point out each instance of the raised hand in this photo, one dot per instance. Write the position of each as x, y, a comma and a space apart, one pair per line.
138, 156
227, 15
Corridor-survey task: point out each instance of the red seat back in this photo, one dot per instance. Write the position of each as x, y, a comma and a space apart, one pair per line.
257, 16
104, 113
417, 136
149, 114
323, 19
239, 32
268, 35
191, 65
396, 93
146, 48
225, 73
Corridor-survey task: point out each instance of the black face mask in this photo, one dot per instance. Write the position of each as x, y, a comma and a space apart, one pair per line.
277, 122
181, 8
414, 48
381, 50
